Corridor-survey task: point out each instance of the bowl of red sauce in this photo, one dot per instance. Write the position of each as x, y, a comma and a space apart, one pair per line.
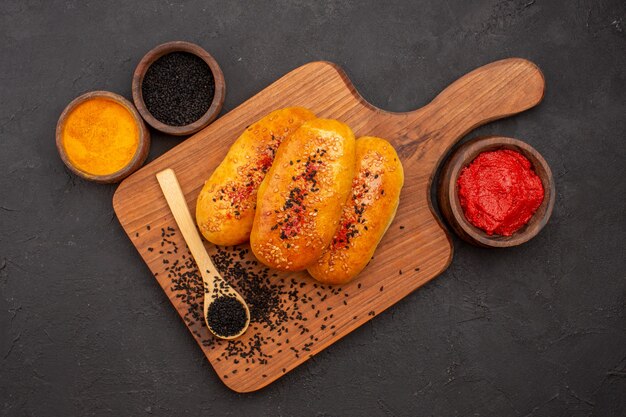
496, 191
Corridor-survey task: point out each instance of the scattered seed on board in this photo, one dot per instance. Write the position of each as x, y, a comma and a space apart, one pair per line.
275, 303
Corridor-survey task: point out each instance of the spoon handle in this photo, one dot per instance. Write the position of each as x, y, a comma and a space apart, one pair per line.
176, 200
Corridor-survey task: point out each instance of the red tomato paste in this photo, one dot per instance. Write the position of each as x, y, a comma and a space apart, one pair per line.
499, 191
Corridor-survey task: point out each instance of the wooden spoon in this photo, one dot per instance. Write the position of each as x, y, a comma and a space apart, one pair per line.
215, 286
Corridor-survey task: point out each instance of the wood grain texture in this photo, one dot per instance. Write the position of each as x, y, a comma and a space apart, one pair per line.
414, 250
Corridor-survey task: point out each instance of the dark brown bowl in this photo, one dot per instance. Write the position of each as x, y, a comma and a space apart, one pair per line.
218, 98
142, 150
450, 205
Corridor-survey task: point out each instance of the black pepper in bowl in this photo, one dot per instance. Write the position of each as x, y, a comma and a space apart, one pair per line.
226, 316
178, 88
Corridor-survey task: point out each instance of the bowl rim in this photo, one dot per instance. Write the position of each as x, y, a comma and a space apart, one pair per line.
138, 158
449, 198
218, 77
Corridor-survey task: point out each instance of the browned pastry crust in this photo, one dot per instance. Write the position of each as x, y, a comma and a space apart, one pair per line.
300, 201
226, 205
367, 214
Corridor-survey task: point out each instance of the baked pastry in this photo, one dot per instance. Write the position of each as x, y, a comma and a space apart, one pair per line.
226, 204
300, 201
366, 215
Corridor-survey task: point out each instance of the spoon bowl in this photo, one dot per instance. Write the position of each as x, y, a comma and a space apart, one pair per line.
215, 286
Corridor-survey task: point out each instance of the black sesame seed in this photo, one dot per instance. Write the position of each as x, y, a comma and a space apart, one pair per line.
226, 316
276, 304
178, 88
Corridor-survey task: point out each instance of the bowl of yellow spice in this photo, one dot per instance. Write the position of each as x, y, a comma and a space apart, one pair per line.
101, 137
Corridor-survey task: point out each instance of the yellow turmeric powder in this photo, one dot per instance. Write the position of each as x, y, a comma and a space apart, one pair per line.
100, 136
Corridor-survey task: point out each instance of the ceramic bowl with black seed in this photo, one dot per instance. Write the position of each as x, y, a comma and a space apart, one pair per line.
165, 99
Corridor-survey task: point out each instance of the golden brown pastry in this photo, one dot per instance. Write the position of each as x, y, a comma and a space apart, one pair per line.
367, 214
299, 203
226, 204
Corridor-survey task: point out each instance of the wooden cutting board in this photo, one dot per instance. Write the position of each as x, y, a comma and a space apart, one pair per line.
294, 317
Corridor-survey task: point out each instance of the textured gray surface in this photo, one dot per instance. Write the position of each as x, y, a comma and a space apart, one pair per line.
537, 330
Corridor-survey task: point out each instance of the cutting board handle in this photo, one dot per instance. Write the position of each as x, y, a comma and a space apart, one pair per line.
491, 92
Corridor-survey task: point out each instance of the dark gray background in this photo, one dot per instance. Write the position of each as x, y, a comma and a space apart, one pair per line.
537, 330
